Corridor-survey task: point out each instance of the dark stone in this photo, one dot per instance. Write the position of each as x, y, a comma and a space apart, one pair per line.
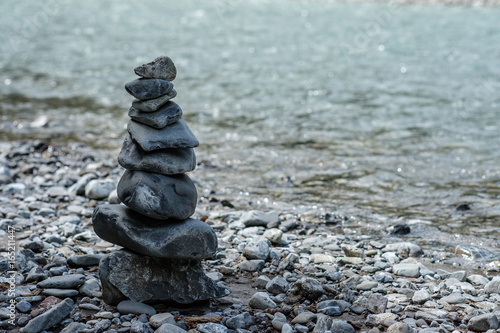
167, 114
48, 319
128, 306
463, 208
160, 68
63, 282
84, 260
189, 239
163, 161
60, 293
177, 135
158, 196
144, 89
152, 105
145, 279
400, 229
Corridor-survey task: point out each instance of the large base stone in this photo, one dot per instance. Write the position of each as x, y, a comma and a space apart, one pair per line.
188, 239
125, 275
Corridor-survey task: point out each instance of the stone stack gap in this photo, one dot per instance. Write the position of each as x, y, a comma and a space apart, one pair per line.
164, 247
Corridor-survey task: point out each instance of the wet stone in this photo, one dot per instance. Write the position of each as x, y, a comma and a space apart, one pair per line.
189, 239
167, 114
145, 89
158, 196
176, 135
163, 161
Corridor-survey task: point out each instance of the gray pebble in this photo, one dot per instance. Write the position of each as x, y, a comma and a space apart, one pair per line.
126, 307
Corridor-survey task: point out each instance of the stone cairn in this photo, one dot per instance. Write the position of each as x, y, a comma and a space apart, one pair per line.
164, 247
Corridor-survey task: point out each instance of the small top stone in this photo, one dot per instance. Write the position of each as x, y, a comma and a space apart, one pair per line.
160, 68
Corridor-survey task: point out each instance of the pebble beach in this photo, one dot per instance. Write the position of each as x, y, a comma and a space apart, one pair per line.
288, 271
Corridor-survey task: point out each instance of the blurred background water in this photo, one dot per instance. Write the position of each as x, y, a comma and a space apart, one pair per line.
385, 112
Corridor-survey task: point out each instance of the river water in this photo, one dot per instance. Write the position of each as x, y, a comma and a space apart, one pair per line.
387, 113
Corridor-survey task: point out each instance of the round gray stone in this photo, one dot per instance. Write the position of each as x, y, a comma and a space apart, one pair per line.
158, 196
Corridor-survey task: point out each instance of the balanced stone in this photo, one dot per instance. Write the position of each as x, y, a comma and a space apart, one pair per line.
158, 196
163, 161
160, 68
144, 89
177, 135
152, 105
126, 275
189, 239
167, 114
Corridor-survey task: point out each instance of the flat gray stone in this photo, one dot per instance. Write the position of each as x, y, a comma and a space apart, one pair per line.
167, 114
258, 218
128, 306
161, 68
158, 196
60, 293
48, 319
261, 300
145, 89
408, 270
158, 320
126, 275
176, 135
253, 265
189, 239
211, 328
341, 326
163, 161
63, 282
170, 328
85, 260
152, 105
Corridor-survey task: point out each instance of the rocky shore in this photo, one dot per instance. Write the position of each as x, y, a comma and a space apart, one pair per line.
287, 271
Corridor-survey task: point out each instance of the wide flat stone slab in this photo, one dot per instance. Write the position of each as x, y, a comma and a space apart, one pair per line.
167, 114
158, 196
164, 161
152, 105
173, 239
144, 89
177, 135
126, 275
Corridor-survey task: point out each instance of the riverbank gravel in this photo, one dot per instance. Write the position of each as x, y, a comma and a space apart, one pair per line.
288, 271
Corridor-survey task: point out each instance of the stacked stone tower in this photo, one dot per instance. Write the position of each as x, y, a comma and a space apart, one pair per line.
164, 247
